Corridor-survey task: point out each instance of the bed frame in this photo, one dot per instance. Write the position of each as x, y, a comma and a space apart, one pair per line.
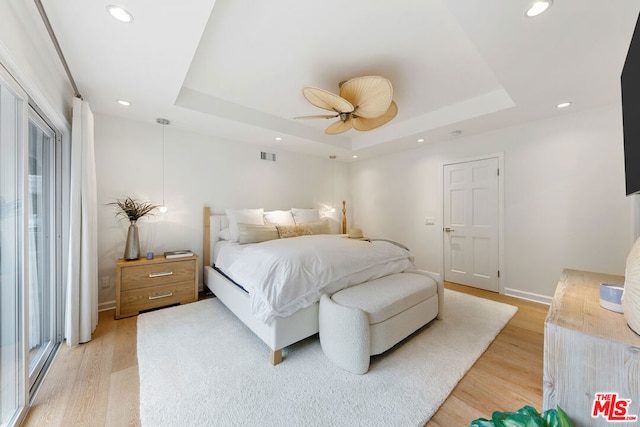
279, 332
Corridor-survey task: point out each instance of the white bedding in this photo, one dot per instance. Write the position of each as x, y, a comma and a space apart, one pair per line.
284, 275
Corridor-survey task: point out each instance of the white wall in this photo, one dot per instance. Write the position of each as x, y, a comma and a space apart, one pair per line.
564, 192
565, 205
199, 171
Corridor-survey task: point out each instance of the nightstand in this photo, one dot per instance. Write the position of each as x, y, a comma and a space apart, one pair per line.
145, 284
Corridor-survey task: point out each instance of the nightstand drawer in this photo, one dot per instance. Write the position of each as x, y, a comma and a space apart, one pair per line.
147, 275
134, 301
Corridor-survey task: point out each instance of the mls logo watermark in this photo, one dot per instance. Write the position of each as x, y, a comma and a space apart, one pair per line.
612, 408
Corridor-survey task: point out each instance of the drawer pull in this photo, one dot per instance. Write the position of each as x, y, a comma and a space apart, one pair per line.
160, 296
166, 273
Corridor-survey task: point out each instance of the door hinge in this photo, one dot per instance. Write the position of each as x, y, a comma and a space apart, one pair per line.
498, 273
498, 171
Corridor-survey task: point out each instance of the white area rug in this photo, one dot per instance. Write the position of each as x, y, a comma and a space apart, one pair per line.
199, 365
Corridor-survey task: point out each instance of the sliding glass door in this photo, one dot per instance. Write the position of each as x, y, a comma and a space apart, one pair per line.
30, 249
13, 389
43, 285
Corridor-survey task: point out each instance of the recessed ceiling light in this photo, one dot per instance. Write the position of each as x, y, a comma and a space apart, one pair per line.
120, 13
123, 102
355, 156
538, 7
278, 138
563, 104
421, 140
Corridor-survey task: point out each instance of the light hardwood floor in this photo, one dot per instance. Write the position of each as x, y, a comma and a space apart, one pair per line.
509, 373
96, 384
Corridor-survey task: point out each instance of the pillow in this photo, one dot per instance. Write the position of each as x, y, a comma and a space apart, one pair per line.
279, 217
225, 234
286, 231
245, 216
320, 227
304, 216
251, 233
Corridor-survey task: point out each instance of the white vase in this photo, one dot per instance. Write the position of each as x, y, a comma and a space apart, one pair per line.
631, 293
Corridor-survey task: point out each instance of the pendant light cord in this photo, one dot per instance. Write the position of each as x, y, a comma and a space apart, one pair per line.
163, 126
164, 123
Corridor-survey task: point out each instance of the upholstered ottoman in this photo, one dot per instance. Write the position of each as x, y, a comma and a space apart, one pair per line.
367, 319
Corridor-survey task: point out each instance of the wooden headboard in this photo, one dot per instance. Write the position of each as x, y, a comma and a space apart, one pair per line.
215, 222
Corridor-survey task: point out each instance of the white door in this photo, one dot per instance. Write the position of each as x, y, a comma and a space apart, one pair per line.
471, 223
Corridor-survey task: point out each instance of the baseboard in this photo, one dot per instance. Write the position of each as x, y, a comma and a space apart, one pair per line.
529, 296
108, 305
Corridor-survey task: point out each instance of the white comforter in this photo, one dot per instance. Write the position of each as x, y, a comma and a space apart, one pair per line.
284, 275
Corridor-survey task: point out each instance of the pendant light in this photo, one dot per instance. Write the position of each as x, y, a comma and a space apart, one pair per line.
333, 177
163, 122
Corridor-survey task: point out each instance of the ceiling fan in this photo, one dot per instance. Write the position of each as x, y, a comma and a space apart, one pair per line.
364, 103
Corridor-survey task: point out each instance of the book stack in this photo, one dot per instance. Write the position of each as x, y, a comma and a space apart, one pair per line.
178, 254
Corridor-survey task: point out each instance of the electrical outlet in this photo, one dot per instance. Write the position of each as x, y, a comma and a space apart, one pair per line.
429, 220
104, 282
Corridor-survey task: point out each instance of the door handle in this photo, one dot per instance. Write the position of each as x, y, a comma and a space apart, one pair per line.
449, 230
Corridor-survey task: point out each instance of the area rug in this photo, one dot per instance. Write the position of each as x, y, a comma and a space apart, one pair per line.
200, 366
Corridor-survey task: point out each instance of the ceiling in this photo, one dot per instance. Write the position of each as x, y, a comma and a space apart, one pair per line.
236, 69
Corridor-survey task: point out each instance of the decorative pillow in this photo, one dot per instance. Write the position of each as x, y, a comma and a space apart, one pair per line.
245, 216
320, 227
279, 218
225, 234
305, 216
286, 231
250, 233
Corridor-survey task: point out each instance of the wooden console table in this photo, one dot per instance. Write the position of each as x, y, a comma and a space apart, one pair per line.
588, 350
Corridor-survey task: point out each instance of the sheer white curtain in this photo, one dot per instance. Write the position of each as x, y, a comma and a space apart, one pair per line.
81, 310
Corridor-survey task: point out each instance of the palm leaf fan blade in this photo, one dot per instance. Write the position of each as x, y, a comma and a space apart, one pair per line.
370, 95
339, 127
318, 116
363, 124
326, 100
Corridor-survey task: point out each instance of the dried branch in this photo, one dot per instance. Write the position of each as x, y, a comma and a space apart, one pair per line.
133, 209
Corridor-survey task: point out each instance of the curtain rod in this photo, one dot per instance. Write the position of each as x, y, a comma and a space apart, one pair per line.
54, 39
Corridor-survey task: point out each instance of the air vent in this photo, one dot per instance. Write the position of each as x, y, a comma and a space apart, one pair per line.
268, 156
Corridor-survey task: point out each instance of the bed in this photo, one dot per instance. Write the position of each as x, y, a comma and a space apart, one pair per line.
278, 320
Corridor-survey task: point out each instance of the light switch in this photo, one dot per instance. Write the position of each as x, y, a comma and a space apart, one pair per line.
429, 220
